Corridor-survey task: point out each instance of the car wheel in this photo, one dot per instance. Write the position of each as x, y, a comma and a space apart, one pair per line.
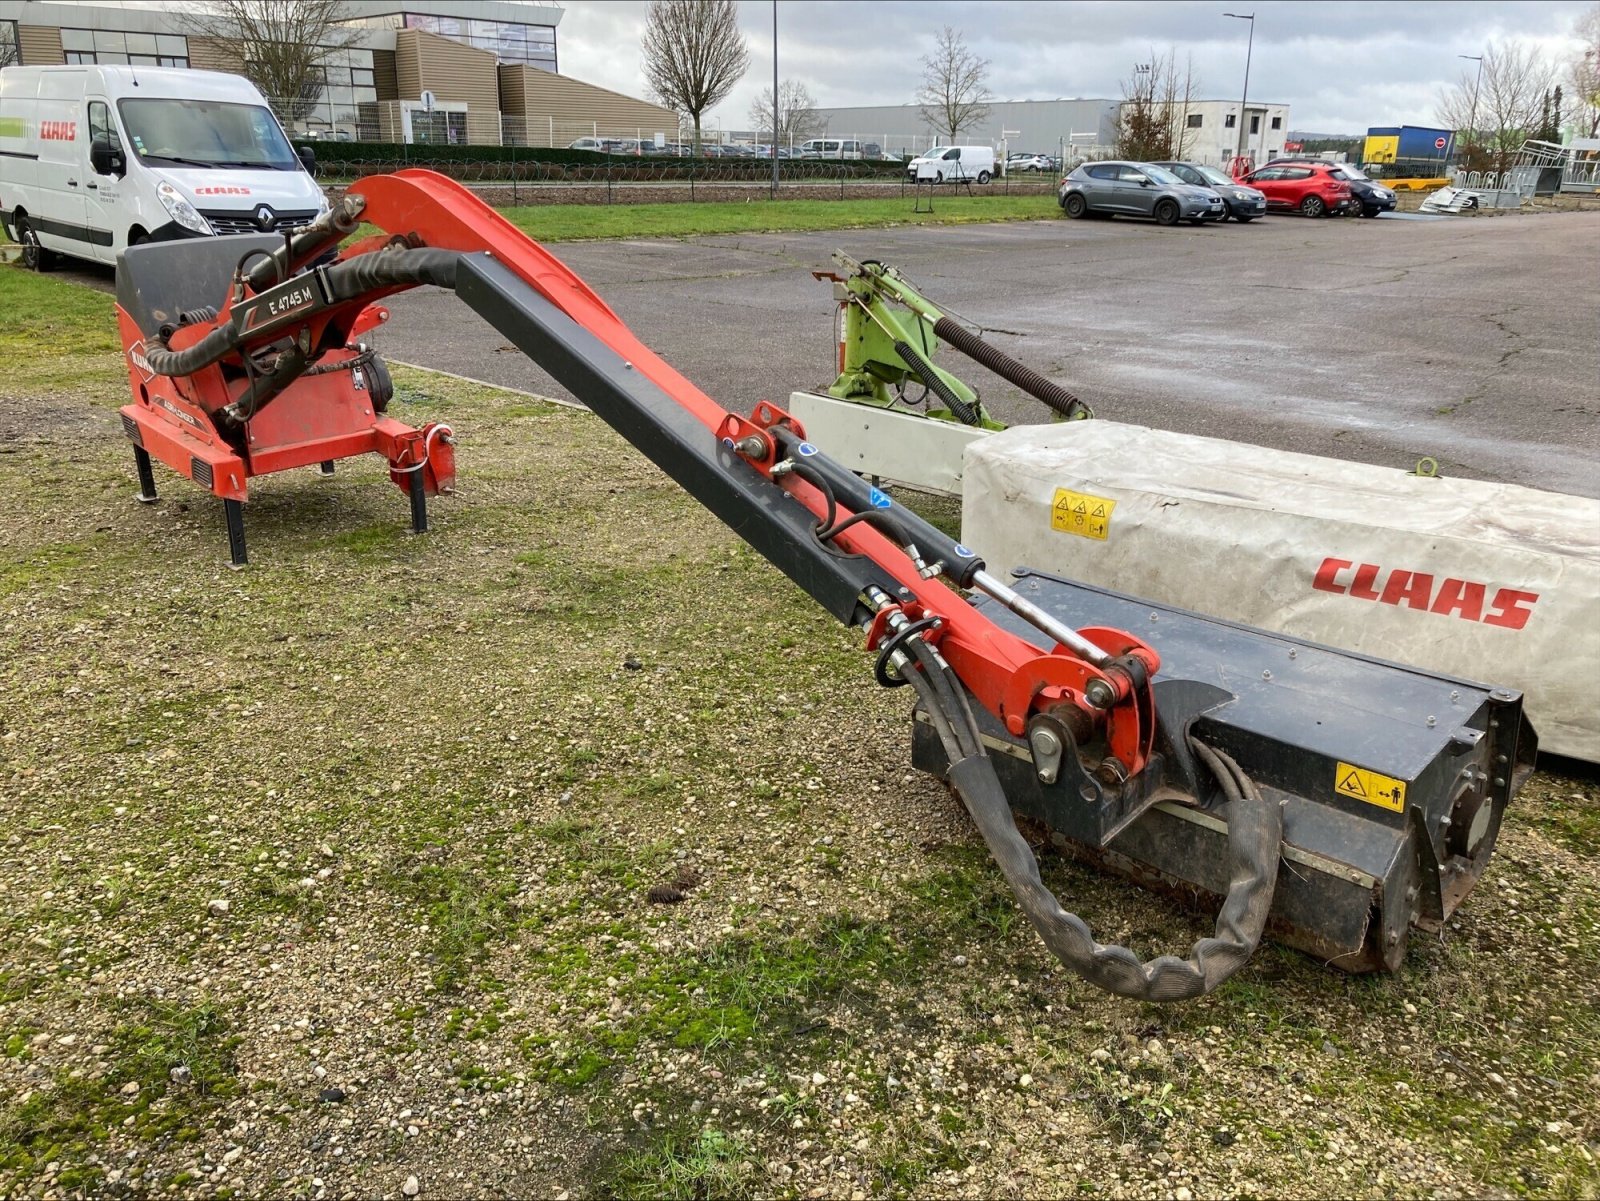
1371, 212
1167, 212
1197, 220
938, 176
1074, 205
1244, 220
1312, 206
983, 177
34, 256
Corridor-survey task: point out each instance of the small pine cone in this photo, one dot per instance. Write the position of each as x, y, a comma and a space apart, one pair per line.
664, 894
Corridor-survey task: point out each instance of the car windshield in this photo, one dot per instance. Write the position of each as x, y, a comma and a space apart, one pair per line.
206, 133
1213, 176
1352, 172
1159, 174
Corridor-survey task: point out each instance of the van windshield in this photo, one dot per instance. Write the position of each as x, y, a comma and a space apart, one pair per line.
206, 133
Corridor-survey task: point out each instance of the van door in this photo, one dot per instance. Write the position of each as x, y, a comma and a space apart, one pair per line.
60, 139
106, 201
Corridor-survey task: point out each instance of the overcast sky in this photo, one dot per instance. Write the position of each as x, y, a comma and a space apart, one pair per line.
1342, 65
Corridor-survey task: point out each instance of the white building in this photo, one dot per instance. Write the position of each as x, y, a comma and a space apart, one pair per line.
1212, 135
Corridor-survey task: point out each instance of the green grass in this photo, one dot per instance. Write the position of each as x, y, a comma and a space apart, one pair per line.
60, 333
569, 222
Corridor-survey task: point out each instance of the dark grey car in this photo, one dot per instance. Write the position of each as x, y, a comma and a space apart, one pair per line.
1137, 190
1242, 202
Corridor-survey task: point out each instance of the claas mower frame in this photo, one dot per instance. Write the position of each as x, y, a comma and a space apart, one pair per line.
1335, 800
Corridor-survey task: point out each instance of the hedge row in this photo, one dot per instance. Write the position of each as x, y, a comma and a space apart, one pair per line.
332, 154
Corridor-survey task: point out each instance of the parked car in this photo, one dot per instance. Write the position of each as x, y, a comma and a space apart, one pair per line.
956, 162
1137, 190
1372, 195
598, 145
1313, 189
1242, 203
1030, 162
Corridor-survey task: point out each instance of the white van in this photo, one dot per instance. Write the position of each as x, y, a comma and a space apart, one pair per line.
94, 159
830, 148
951, 163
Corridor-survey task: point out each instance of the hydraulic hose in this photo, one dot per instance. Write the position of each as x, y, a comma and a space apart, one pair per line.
350, 280
333, 226
1007, 368
965, 413
1255, 835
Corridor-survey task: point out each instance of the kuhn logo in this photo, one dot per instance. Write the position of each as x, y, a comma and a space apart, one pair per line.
58, 131
1466, 599
222, 191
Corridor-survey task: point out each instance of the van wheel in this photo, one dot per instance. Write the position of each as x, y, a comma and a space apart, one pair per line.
34, 256
983, 177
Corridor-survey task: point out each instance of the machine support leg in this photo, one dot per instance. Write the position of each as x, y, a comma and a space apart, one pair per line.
419, 503
325, 467
147, 481
235, 514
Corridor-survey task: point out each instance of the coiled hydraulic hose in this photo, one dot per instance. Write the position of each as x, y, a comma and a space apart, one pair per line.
1007, 368
1255, 834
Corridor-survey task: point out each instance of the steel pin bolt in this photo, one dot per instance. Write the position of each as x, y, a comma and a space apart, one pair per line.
1266, 675
1432, 721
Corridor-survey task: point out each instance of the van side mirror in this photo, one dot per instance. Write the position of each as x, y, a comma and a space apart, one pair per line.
308, 159
105, 158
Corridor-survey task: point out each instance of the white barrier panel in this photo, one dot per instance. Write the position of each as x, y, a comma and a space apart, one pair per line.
1489, 582
905, 448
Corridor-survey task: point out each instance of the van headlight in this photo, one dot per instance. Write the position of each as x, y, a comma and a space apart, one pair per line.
181, 210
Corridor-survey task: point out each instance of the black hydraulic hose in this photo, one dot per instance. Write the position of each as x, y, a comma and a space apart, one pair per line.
1255, 836
365, 273
965, 413
332, 227
1007, 368
345, 281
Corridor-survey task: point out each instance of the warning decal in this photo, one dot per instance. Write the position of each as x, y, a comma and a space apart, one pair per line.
1375, 789
1081, 514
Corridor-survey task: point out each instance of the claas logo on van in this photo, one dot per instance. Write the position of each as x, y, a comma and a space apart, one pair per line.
222, 191
58, 131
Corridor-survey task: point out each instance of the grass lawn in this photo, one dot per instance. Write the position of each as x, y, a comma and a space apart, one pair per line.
333, 872
567, 222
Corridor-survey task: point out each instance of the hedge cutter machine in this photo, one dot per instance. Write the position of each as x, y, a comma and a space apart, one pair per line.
1334, 799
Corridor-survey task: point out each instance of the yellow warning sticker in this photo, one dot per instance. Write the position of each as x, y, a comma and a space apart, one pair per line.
1081, 514
1370, 786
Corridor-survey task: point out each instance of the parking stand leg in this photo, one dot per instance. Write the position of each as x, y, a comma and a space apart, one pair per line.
147, 480
235, 514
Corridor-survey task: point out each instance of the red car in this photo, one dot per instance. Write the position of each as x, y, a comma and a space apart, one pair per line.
1314, 189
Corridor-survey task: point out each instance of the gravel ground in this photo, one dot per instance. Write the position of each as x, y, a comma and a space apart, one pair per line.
329, 879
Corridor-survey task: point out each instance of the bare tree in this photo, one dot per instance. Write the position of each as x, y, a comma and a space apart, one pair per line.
282, 45
9, 56
954, 95
1508, 104
1153, 120
1583, 73
797, 117
694, 54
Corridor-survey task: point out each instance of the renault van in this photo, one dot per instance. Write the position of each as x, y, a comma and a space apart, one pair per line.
95, 159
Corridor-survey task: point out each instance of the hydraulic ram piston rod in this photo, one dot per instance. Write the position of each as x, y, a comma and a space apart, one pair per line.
1040, 620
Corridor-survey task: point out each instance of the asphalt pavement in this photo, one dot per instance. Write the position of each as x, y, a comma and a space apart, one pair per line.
1473, 341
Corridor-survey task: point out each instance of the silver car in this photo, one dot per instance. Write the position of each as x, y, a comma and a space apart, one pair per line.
1241, 202
1137, 190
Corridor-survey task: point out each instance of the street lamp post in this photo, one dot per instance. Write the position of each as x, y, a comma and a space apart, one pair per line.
774, 99
1472, 121
1249, 46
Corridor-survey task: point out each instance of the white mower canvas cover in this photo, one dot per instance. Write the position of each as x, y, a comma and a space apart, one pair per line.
1490, 582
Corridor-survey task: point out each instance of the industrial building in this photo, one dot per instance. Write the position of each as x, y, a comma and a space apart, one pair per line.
1072, 129
482, 72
